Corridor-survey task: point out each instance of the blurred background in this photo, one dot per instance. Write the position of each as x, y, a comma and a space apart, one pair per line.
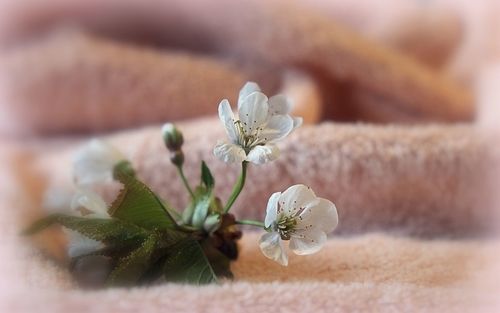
70, 66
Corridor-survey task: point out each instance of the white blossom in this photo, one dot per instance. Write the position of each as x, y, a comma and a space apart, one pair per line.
88, 204
261, 122
80, 245
94, 163
57, 198
81, 202
298, 216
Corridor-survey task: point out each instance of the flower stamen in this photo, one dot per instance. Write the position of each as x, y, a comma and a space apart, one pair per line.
286, 226
248, 141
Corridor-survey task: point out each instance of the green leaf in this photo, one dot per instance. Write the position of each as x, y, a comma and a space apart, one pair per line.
201, 209
154, 272
169, 238
206, 176
187, 263
163, 247
173, 212
130, 269
105, 230
137, 204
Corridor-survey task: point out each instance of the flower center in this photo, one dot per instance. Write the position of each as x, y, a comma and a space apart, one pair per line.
248, 140
285, 226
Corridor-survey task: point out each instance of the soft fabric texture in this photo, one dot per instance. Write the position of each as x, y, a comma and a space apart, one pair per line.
418, 203
422, 180
358, 79
358, 273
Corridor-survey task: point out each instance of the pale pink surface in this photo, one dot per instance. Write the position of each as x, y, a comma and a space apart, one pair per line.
361, 273
367, 169
421, 180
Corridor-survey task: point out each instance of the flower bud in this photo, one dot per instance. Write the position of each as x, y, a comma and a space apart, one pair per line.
212, 223
124, 167
177, 157
172, 137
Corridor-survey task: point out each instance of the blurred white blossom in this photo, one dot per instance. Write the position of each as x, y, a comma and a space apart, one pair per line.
94, 163
88, 203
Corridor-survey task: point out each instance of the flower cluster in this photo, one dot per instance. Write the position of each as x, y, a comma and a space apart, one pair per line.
92, 166
295, 215
142, 239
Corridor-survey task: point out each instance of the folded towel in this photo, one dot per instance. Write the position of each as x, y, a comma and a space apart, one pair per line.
421, 180
358, 79
350, 274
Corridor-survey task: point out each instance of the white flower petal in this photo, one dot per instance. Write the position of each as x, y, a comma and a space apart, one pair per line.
91, 201
272, 209
167, 128
272, 247
297, 122
249, 88
280, 105
94, 162
227, 117
229, 153
253, 112
307, 241
263, 154
321, 215
79, 245
297, 197
58, 198
277, 127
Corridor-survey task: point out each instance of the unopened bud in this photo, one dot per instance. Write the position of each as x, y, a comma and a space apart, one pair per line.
124, 167
172, 137
177, 158
212, 223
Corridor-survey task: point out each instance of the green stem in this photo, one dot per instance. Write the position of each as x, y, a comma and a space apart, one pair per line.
188, 228
176, 215
237, 187
184, 181
251, 222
